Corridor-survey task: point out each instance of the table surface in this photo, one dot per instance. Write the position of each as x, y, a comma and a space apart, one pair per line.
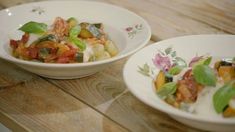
102, 102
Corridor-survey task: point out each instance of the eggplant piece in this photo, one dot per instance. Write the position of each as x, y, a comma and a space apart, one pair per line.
98, 25
49, 37
94, 31
44, 52
89, 30
85, 34
79, 57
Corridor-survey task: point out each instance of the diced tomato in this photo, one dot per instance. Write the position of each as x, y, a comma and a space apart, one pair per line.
63, 60
25, 38
33, 52
69, 53
14, 44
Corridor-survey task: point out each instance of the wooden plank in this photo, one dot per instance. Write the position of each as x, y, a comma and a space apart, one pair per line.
37, 105
109, 95
217, 13
165, 22
137, 116
9, 78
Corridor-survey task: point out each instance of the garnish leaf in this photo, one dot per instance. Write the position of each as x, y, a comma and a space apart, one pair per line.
34, 27
175, 70
207, 61
78, 43
167, 89
203, 61
204, 75
74, 31
222, 96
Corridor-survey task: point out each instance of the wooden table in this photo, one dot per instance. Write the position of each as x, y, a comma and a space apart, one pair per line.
102, 102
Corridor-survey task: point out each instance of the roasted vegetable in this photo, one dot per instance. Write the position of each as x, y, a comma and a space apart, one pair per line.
98, 50
89, 30
79, 57
227, 73
85, 33
229, 112
48, 37
111, 48
160, 80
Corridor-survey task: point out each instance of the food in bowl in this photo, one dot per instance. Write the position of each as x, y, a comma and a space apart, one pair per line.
65, 41
204, 86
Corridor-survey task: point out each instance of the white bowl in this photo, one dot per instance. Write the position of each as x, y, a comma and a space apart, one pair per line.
120, 25
186, 47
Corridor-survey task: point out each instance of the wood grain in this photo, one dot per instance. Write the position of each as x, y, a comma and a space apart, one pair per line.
37, 105
217, 13
109, 95
8, 78
165, 22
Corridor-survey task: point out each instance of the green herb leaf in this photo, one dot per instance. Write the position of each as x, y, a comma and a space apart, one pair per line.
204, 75
207, 61
72, 22
203, 61
176, 70
78, 43
74, 31
222, 96
34, 27
167, 89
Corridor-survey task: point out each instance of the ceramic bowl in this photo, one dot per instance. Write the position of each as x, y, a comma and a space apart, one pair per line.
218, 46
129, 32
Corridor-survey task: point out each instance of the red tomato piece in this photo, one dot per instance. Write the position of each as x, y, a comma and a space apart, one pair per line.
25, 38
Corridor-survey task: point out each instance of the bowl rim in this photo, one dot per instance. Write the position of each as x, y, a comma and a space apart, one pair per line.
59, 65
172, 110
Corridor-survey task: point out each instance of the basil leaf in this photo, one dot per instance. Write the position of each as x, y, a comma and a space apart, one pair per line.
203, 61
207, 61
34, 27
175, 70
204, 75
222, 96
167, 89
78, 43
74, 31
